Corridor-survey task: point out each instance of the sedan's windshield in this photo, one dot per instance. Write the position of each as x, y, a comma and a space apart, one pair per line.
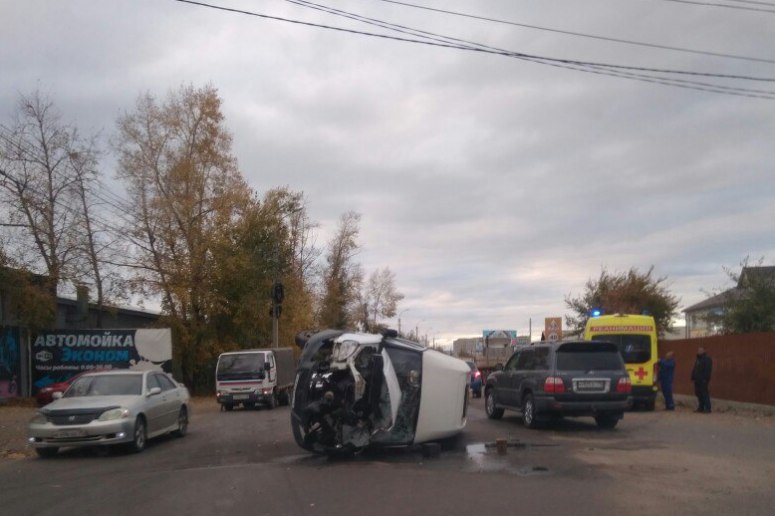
106, 385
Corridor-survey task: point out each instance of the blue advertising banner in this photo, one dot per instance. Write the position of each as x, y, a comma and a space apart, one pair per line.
10, 362
59, 354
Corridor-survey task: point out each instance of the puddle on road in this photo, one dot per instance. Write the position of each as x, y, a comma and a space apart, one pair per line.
484, 458
474, 458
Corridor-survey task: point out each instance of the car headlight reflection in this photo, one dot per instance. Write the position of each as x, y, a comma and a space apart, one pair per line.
116, 413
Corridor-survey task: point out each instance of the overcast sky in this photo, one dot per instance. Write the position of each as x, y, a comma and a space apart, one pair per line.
492, 186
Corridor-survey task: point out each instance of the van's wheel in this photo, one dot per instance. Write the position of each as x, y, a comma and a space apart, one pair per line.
489, 406
139, 436
46, 453
529, 412
649, 405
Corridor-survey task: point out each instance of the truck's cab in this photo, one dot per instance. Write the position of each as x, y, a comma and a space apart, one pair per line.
636, 338
254, 376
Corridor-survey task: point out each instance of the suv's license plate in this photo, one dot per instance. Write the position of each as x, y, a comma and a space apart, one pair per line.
590, 386
241, 396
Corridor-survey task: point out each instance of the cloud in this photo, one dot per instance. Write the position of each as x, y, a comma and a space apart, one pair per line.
493, 187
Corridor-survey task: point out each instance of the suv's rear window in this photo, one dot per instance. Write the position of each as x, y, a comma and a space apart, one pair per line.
591, 360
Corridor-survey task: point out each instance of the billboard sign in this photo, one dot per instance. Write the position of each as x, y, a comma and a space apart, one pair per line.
59, 354
499, 338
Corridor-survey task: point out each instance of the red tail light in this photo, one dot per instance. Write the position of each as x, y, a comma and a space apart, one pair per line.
624, 385
554, 384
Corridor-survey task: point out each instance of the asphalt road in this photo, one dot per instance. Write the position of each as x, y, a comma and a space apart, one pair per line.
246, 462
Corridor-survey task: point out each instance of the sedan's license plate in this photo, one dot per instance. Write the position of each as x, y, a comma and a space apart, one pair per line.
70, 433
241, 396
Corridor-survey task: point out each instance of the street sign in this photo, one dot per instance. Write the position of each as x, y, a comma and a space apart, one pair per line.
553, 328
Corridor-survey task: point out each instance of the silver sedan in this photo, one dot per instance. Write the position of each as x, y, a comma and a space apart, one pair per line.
111, 407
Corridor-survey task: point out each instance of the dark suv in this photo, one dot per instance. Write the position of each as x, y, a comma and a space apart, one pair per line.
552, 380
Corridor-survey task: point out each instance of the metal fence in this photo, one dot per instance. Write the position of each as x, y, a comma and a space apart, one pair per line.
743, 366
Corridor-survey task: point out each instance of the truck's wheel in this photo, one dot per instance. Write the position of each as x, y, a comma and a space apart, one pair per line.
272, 402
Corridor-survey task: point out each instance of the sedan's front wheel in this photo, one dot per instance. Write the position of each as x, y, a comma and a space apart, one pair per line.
139, 436
489, 405
182, 422
46, 453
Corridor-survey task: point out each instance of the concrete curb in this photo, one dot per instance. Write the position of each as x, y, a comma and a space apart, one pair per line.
724, 405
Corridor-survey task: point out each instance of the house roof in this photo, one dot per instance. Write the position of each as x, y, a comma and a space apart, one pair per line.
752, 273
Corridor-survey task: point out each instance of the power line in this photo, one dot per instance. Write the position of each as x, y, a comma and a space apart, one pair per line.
577, 66
583, 35
469, 45
710, 4
538, 59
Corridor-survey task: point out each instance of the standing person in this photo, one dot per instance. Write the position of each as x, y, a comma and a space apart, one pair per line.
665, 377
703, 366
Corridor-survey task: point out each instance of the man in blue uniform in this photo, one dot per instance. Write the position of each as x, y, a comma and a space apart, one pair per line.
665, 377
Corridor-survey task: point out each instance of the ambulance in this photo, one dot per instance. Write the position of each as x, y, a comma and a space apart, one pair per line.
636, 337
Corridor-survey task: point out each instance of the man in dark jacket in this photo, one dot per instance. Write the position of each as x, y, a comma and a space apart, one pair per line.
703, 367
665, 376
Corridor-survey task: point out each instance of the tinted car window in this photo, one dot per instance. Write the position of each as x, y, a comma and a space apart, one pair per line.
542, 359
526, 360
579, 360
512, 363
635, 349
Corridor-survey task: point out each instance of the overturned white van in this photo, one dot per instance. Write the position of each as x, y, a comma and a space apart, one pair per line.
355, 390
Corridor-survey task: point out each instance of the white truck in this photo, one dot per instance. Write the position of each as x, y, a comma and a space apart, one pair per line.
255, 376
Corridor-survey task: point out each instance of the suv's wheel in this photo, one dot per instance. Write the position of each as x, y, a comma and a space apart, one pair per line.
228, 407
606, 421
529, 412
489, 405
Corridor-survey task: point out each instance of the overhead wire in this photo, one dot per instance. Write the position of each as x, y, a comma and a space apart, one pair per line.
582, 35
601, 69
712, 4
540, 59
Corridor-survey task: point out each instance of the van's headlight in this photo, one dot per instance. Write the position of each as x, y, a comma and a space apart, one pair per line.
116, 413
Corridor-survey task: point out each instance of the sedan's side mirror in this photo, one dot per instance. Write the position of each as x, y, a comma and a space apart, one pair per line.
154, 391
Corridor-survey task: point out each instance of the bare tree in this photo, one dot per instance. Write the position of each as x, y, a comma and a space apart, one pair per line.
342, 276
37, 179
379, 299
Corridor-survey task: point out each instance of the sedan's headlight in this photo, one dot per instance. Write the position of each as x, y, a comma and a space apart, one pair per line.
39, 419
116, 413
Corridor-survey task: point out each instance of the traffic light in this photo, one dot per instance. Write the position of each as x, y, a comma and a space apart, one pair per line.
278, 293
